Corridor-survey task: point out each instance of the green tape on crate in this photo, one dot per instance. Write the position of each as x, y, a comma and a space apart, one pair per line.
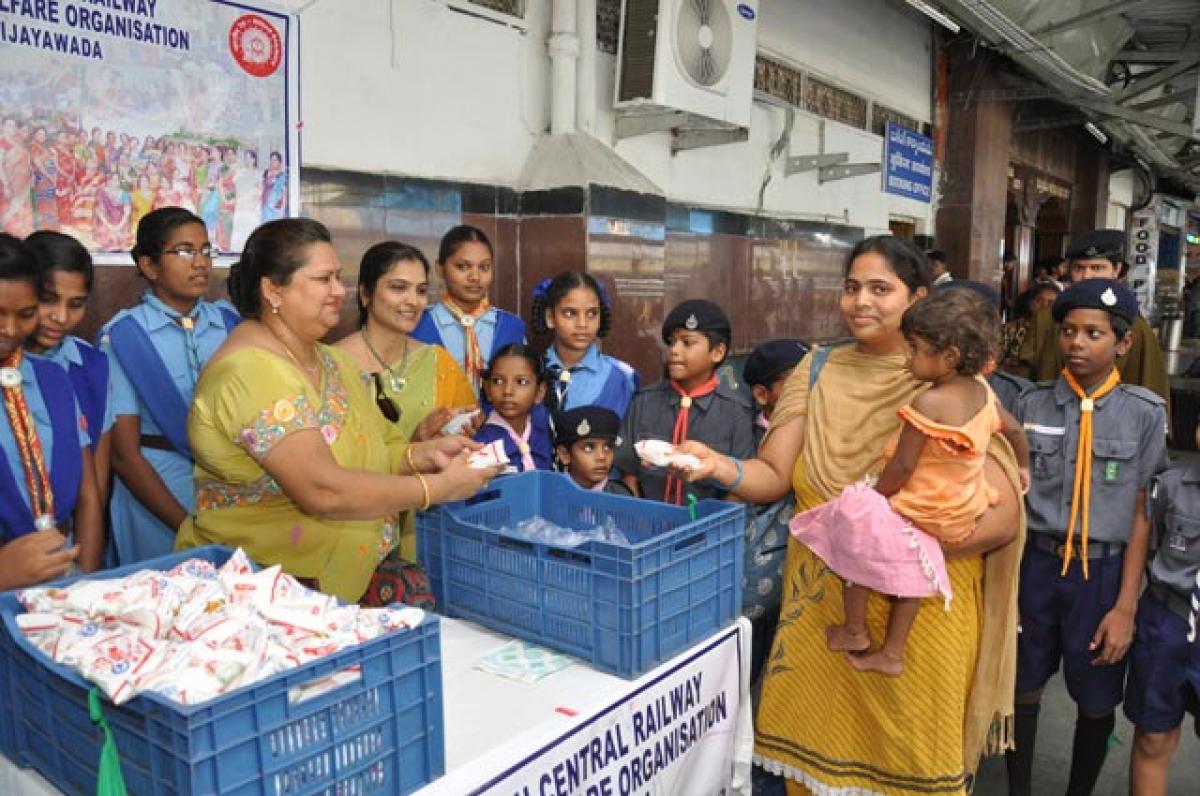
109, 780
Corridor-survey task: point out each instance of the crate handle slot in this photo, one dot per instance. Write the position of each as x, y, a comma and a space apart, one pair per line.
325, 684
691, 541
483, 497
515, 544
569, 555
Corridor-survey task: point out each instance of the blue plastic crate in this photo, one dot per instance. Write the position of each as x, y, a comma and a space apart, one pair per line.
622, 608
381, 734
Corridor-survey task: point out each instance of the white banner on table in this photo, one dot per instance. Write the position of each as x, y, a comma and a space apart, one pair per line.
674, 734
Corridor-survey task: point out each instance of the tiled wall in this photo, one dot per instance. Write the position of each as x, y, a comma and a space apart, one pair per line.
775, 278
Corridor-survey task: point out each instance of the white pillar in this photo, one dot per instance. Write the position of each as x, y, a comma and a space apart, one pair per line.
585, 78
564, 52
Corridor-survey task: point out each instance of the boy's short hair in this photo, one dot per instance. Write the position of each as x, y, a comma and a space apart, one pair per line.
586, 422
767, 362
699, 315
1108, 295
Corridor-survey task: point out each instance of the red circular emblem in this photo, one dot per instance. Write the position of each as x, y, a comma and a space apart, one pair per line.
255, 45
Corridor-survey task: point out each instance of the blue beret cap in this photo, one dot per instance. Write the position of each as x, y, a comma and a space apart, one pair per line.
1096, 294
1106, 243
772, 358
586, 422
697, 315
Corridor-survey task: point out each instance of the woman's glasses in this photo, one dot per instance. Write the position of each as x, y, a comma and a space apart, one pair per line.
387, 407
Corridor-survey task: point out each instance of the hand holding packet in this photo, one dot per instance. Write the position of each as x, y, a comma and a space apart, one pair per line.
659, 453
459, 423
490, 455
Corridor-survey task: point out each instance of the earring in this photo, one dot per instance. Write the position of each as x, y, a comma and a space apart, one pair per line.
274, 308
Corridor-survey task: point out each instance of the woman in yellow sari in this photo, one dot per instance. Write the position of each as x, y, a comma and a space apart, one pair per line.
293, 461
825, 726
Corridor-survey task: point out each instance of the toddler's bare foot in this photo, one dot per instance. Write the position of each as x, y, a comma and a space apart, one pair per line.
878, 661
842, 639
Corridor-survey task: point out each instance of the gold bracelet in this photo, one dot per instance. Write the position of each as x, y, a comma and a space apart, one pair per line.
408, 458
425, 490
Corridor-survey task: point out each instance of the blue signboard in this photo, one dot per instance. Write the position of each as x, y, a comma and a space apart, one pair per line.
907, 163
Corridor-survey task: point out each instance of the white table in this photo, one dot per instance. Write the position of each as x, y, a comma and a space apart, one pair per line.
507, 737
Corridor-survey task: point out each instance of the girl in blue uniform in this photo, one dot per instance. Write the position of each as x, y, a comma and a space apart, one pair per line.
47, 481
575, 309
464, 322
66, 273
156, 350
514, 384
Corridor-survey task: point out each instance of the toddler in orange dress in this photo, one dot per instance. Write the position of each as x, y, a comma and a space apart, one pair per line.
932, 490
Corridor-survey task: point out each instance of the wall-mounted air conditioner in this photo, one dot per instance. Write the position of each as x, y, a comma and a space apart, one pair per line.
695, 56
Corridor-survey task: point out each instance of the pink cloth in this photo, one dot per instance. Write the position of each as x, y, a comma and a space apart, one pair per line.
864, 541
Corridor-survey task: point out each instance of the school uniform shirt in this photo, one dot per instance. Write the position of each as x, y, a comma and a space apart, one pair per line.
1173, 505
138, 533
1008, 388
91, 376
1129, 447
761, 424
723, 420
540, 439
615, 488
607, 487
596, 380
494, 329
52, 438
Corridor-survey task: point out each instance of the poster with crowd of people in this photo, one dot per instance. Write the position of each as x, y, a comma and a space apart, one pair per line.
112, 108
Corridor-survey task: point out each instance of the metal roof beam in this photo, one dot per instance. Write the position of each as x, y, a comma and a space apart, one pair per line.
1006, 94
1086, 17
1185, 95
1142, 118
1157, 56
1048, 123
1142, 85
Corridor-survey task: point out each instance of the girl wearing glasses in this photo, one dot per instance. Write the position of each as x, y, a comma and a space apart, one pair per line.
156, 350
47, 481
464, 321
293, 461
66, 283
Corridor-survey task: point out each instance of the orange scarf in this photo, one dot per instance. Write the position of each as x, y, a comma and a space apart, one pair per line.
681, 429
1081, 493
475, 362
33, 459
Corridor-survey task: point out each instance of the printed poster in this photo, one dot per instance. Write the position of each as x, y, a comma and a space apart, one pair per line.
112, 108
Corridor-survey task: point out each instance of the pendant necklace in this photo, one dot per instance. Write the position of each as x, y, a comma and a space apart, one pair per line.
395, 380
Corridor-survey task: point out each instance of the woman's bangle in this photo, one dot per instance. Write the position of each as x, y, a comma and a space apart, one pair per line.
740, 472
408, 458
425, 491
